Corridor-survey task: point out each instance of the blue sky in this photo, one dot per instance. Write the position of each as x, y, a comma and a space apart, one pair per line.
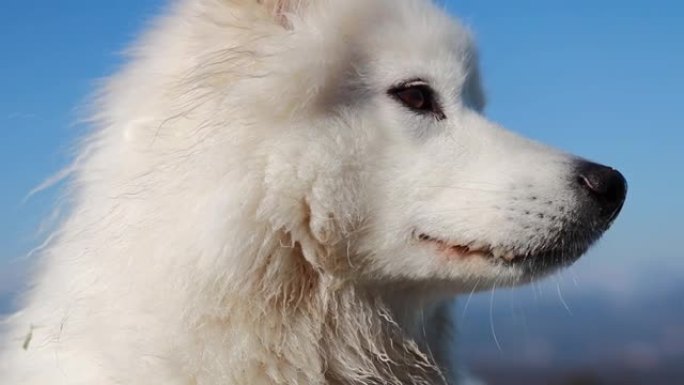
603, 79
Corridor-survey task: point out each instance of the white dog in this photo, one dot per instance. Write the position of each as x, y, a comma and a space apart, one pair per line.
290, 192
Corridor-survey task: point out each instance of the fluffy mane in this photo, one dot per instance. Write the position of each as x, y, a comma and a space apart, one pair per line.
203, 211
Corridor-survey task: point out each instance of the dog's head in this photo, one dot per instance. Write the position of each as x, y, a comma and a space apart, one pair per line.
406, 177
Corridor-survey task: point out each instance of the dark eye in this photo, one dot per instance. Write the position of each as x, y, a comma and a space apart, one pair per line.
419, 98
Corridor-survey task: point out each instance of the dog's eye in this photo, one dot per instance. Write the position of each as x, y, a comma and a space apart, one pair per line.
419, 98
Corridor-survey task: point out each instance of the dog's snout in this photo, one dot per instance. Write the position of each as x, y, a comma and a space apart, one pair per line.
605, 185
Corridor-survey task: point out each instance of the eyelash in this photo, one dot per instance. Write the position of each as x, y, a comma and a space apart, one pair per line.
418, 97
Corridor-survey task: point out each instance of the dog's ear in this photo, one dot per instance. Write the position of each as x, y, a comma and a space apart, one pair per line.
281, 9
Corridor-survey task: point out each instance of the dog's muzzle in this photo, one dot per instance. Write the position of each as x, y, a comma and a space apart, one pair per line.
600, 193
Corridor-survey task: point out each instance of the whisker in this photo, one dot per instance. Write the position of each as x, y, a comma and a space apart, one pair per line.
491, 319
467, 303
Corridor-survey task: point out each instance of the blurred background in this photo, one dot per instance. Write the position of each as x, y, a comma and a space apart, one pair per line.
603, 79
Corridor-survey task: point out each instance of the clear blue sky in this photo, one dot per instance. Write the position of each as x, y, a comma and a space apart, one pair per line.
601, 78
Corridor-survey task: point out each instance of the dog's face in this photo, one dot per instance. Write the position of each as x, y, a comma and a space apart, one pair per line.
444, 194
455, 196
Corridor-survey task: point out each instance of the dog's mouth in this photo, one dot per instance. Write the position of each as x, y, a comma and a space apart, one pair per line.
470, 250
535, 261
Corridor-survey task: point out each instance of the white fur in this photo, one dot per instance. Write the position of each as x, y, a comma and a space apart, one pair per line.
246, 210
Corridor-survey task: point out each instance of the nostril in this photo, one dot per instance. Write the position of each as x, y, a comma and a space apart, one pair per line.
605, 185
592, 185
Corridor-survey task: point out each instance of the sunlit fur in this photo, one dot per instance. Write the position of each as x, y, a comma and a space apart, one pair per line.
245, 211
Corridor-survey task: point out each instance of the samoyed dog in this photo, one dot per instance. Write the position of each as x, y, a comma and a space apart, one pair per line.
291, 192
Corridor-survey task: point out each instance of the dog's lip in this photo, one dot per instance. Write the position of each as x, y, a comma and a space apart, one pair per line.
467, 250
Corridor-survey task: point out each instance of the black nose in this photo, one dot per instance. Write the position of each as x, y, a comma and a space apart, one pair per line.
605, 185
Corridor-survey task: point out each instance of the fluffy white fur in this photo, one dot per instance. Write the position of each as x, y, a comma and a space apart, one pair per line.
247, 209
